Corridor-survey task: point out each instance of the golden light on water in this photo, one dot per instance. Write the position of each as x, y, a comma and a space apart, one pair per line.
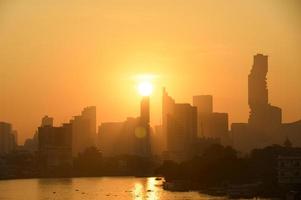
138, 191
146, 190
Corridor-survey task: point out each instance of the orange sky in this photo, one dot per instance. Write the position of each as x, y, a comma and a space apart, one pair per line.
57, 57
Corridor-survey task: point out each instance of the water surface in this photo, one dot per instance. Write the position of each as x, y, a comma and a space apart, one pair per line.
106, 188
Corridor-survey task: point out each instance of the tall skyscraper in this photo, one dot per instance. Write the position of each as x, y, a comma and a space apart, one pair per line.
84, 130
204, 103
180, 127
211, 124
7, 138
111, 139
182, 131
264, 126
263, 116
55, 146
131, 137
144, 110
167, 109
143, 142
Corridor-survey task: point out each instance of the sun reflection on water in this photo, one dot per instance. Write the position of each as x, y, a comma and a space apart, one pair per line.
146, 190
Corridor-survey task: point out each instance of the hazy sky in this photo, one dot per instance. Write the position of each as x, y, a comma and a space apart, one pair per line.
58, 56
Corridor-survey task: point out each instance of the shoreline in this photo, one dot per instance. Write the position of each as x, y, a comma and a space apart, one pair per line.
105, 176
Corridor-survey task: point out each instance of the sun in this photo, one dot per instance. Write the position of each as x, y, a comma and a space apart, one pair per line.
145, 88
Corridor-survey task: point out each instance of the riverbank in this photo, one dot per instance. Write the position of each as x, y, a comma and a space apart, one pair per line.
248, 191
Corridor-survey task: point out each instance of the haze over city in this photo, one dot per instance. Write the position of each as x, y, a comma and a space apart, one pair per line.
150, 99
57, 57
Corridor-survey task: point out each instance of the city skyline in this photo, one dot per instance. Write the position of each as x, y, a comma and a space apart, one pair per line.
57, 58
150, 99
141, 79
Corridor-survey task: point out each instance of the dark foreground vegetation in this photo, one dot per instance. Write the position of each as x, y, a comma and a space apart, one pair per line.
218, 170
89, 163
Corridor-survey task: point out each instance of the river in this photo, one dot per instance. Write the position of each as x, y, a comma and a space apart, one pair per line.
105, 188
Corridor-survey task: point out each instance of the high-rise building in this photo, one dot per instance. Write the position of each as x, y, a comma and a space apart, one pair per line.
180, 127
111, 141
84, 130
265, 121
7, 138
211, 124
32, 144
167, 109
143, 142
144, 111
157, 141
123, 138
182, 132
263, 117
55, 146
204, 103
131, 137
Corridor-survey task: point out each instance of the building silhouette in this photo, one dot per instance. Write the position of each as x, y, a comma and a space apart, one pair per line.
47, 121
211, 124
55, 146
123, 138
84, 130
143, 131
157, 141
263, 116
265, 125
167, 109
291, 130
111, 141
130, 137
32, 144
204, 103
180, 127
8, 140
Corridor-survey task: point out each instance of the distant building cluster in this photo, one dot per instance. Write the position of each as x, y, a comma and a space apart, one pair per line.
56, 146
185, 132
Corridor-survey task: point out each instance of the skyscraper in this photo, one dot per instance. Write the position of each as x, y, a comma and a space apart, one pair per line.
144, 110
180, 127
84, 130
143, 142
55, 146
263, 116
211, 124
265, 121
182, 132
167, 109
131, 137
204, 103
7, 138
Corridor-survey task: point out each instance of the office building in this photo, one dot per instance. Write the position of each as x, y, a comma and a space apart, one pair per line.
8, 141
55, 146
84, 130
180, 127
211, 124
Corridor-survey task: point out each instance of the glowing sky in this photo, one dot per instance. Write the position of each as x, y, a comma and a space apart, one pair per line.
58, 56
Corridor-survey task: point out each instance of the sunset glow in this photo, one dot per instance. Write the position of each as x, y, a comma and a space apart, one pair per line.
145, 88
150, 99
